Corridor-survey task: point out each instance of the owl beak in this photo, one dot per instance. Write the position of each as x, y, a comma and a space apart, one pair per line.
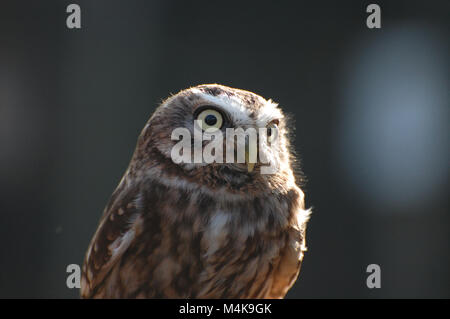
250, 155
250, 166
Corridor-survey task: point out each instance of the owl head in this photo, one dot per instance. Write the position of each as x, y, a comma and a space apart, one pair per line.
189, 124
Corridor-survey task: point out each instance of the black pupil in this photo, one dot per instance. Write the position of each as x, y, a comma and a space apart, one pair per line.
210, 120
269, 132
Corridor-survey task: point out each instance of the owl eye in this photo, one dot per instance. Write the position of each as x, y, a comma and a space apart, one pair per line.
210, 120
272, 132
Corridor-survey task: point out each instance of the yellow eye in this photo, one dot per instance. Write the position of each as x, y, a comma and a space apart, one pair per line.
210, 120
272, 132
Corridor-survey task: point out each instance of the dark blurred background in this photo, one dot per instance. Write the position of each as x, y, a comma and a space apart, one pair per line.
372, 126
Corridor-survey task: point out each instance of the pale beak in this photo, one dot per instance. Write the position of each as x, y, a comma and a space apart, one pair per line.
250, 155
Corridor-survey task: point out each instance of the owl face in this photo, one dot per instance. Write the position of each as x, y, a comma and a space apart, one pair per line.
214, 109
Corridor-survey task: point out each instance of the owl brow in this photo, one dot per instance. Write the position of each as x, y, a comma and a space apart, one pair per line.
275, 121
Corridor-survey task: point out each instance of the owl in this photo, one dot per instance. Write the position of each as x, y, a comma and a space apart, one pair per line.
225, 229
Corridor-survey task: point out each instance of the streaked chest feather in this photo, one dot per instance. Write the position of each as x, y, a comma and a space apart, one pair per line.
199, 245
185, 243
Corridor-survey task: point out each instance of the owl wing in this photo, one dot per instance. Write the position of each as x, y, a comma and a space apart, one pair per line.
289, 263
118, 228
